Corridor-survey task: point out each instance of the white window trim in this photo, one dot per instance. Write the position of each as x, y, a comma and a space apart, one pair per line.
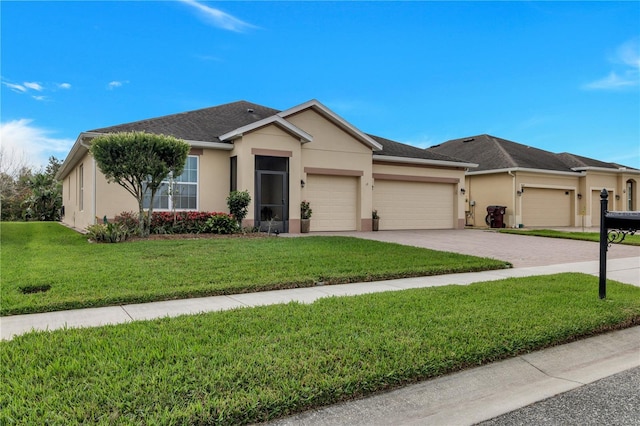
196, 184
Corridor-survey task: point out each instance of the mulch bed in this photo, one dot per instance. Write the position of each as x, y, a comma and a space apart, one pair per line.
199, 236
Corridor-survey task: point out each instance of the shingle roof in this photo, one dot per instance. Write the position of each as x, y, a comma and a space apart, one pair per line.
492, 153
200, 125
397, 149
577, 161
208, 124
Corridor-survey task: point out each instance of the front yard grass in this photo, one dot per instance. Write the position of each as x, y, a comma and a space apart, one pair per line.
254, 364
47, 267
632, 240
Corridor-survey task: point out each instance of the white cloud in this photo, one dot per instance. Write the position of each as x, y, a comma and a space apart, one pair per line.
115, 84
612, 81
219, 18
15, 87
627, 57
33, 85
35, 144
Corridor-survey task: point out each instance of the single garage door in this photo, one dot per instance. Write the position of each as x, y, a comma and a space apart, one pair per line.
546, 207
595, 207
414, 205
333, 200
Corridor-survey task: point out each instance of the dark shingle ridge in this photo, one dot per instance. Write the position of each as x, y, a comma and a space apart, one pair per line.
205, 124
493, 153
397, 149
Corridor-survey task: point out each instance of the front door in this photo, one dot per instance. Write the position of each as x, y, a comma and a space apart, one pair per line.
272, 195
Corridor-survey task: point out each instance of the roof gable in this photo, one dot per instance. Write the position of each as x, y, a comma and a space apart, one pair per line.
335, 119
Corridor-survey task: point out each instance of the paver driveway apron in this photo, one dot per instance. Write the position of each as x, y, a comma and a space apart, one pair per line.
520, 250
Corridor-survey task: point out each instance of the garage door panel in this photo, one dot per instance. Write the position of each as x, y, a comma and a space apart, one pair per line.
414, 205
546, 207
333, 200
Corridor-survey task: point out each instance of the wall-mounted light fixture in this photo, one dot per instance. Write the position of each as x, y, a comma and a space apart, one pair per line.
302, 183
579, 196
462, 191
519, 193
617, 197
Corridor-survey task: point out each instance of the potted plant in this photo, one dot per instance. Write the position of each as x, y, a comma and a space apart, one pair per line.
375, 220
305, 216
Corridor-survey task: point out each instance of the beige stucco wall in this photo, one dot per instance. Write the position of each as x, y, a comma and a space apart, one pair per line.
213, 180
75, 215
213, 188
335, 149
488, 190
584, 189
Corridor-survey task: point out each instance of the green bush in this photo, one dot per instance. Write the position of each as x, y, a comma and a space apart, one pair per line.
238, 201
222, 223
108, 232
129, 220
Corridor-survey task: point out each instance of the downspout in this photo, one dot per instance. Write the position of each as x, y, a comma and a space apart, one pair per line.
513, 197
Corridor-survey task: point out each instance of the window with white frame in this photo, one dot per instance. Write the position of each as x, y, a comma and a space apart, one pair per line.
178, 193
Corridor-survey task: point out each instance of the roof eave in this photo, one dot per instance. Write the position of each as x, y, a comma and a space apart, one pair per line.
78, 150
424, 161
606, 169
335, 118
211, 145
522, 169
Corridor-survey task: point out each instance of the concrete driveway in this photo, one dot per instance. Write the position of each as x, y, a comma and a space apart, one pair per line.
520, 250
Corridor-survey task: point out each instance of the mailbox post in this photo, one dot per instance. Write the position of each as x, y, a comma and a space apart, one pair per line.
614, 227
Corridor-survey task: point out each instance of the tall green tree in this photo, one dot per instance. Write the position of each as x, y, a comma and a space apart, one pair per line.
139, 162
45, 199
14, 191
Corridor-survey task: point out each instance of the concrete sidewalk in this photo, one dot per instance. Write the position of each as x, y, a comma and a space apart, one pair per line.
626, 270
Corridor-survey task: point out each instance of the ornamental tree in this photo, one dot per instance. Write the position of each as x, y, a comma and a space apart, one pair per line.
238, 202
139, 162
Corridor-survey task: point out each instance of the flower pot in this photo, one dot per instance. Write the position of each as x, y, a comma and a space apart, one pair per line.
374, 224
304, 225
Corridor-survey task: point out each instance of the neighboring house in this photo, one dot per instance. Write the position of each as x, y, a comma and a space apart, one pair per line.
539, 188
307, 152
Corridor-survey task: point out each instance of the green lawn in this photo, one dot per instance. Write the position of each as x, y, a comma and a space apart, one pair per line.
47, 267
254, 364
633, 240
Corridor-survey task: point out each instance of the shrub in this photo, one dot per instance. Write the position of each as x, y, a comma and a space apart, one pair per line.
108, 232
179, 222
238, 201
129, 220
305, 210
222, 223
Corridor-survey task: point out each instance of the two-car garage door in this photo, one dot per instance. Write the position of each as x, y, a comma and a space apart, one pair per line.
414, 205
400, 204
546, 207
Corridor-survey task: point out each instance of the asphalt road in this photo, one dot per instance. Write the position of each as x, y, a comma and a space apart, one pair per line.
614, 400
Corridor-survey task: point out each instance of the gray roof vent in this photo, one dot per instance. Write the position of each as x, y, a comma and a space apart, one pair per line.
469, 140
250, 110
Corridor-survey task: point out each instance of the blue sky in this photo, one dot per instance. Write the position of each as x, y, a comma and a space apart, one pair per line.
560, 76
